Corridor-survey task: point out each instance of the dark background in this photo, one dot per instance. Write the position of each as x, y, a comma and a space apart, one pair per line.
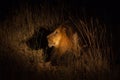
105, 10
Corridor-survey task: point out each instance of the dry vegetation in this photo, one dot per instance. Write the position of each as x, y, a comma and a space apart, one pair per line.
21, 62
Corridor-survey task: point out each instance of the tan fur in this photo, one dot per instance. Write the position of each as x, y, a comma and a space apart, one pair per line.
63, 40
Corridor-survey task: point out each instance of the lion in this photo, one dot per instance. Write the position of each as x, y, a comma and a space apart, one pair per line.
64, 40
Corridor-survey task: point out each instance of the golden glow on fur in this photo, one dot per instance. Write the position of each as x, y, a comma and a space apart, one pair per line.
61, 42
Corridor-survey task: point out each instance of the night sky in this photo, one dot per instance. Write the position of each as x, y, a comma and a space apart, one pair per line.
108, 10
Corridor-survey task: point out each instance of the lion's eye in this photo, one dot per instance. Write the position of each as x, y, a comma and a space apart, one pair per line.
56, 32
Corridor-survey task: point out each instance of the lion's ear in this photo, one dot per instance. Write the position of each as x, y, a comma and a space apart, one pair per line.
64, 29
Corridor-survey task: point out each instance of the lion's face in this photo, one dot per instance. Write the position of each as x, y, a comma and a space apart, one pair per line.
55, 37
63, 39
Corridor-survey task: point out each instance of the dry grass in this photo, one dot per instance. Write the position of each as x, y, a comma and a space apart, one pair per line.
25, 63
94, 36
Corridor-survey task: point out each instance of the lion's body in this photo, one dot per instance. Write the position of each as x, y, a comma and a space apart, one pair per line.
63, 39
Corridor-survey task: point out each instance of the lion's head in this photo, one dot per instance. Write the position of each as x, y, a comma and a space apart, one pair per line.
55, 37
63, 39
